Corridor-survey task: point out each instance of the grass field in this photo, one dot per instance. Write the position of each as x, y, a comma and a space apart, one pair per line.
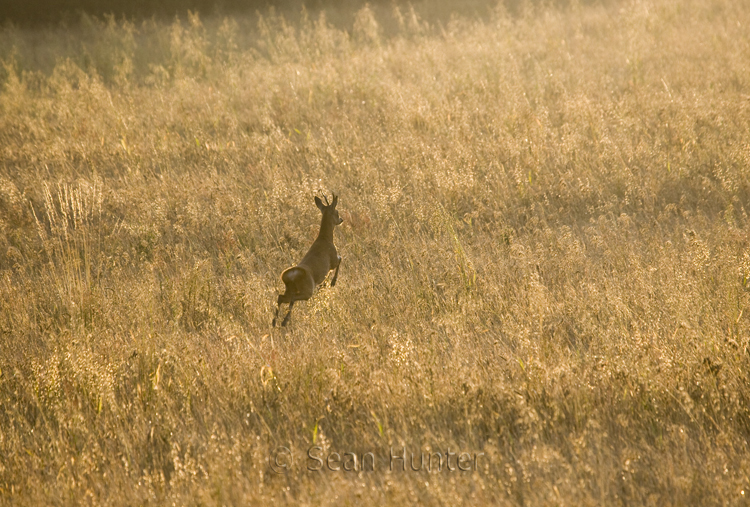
546, 258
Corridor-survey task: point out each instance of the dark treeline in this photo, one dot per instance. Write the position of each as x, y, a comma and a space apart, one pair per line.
46, 12
54, 12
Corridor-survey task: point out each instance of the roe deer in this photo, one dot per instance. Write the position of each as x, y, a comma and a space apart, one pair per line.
322, 257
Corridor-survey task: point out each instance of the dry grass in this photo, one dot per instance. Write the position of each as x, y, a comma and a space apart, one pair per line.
545, 257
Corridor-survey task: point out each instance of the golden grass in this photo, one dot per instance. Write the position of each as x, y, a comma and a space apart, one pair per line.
545, 257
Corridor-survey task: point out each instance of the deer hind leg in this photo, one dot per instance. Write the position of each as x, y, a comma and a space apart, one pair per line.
336, 273
288, 314
297, 292
281, 299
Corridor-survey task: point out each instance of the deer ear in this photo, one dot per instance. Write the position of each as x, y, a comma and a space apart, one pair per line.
335, 201
319, 203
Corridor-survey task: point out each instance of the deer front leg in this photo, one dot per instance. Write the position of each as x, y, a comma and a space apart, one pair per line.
336, 273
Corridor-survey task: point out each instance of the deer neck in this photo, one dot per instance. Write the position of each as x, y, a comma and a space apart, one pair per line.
326, 230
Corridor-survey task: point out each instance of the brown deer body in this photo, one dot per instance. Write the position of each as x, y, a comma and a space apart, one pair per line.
301, 280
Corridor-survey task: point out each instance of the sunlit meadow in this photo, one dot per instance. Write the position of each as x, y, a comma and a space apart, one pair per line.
546, 257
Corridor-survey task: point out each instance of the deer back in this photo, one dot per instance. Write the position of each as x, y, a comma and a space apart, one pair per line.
319, 259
